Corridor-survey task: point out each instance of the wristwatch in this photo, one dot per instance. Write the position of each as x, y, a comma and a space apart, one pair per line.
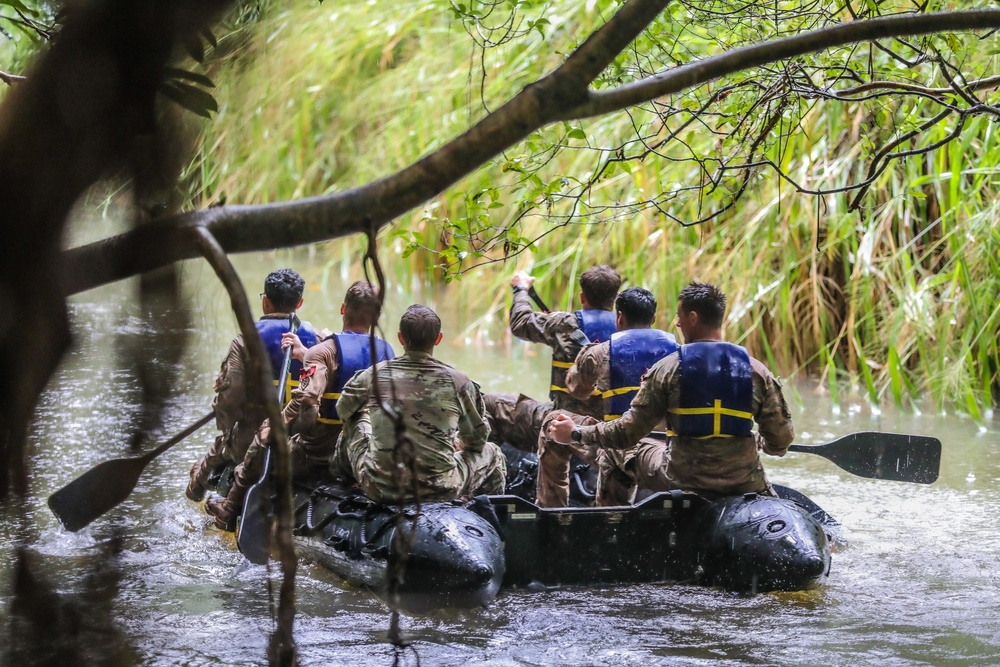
576, 435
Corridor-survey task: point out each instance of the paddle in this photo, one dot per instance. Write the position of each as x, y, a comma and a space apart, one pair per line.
107, 484
254, 535
538, 300
893, 456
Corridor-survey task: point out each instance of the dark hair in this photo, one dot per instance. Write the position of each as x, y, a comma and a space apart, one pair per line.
420, 327
705, 299
600, 285
637, 304
362, 305
284, 289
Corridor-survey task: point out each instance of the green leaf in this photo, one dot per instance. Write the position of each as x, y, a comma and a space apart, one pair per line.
577, 133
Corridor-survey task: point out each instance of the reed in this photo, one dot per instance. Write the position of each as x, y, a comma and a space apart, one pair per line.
897, 302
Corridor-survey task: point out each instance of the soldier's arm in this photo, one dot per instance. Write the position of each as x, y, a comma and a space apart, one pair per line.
473, 429
230, 387
318, 366
774, 420
582, 376
648, 408
525, 323
354, 395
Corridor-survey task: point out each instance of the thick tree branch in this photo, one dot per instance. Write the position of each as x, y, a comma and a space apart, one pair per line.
251, 228
11, 79
693, 74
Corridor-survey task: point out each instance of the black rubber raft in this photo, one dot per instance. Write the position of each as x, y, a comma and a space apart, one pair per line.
462, 554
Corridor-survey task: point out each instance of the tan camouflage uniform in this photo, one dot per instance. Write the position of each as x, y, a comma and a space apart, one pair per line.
519, 420
712, 467
443, 414
236, 419
313, 442
591, 373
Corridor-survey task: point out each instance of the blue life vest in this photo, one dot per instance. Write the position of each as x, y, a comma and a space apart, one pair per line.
270, 330
597, 324
353, 355
716, 397
632, 352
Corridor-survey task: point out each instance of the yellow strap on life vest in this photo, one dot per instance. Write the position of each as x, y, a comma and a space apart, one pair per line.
324, 420
562, 364
717, 411
617, 392
332, 395
565, 390
611, 418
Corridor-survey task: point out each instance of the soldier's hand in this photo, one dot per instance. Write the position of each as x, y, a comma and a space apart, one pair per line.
522, 279
560, 429
298, 349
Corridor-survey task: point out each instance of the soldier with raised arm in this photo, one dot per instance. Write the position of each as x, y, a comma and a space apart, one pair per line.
711, 394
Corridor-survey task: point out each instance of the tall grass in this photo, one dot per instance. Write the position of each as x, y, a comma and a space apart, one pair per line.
897, 303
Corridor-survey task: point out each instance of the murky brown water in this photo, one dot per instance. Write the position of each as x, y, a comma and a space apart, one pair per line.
917, 584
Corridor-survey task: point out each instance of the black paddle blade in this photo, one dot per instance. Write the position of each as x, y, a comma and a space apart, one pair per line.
254, 535
96, 491
893, 456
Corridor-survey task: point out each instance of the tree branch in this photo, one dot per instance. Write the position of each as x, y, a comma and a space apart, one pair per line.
693, 74
251, 228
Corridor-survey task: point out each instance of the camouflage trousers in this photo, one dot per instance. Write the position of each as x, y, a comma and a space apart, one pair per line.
515, 419
473, 474
646, 466
554, 460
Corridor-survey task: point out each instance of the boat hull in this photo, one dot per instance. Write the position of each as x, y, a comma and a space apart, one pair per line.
747, 543
446, 554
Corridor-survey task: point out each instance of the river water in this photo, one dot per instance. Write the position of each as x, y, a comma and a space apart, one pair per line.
916, 584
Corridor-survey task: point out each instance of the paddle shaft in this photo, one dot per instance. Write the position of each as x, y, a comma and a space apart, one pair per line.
538, 300
253, 538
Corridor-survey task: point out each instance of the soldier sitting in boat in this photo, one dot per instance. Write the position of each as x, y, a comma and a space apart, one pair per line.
711, 394
613, 369
441, 451
311, 414
235, 416
516, 418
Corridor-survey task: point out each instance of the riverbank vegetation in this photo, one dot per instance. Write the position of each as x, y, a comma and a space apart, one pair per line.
891, 292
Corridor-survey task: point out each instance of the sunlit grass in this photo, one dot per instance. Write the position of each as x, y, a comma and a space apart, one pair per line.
896, 302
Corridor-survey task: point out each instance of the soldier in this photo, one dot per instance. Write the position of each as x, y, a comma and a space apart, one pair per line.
613, 369
442, 413
235, 417
516, 418
312, 413
711, 394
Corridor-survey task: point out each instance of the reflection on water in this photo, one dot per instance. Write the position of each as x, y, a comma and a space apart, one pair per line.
916, 585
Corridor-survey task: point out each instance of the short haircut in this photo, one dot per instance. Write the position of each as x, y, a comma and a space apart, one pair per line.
284, 289
637, 304
600, 285
705, 299
420, 327
362, 305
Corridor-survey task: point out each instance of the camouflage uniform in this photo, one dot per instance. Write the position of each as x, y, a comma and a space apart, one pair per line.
520, 419
589, 375
235, 417
443, 414
712, 467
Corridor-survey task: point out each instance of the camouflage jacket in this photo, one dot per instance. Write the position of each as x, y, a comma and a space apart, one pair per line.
714, 466
442, 411
319, 369
555, 329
